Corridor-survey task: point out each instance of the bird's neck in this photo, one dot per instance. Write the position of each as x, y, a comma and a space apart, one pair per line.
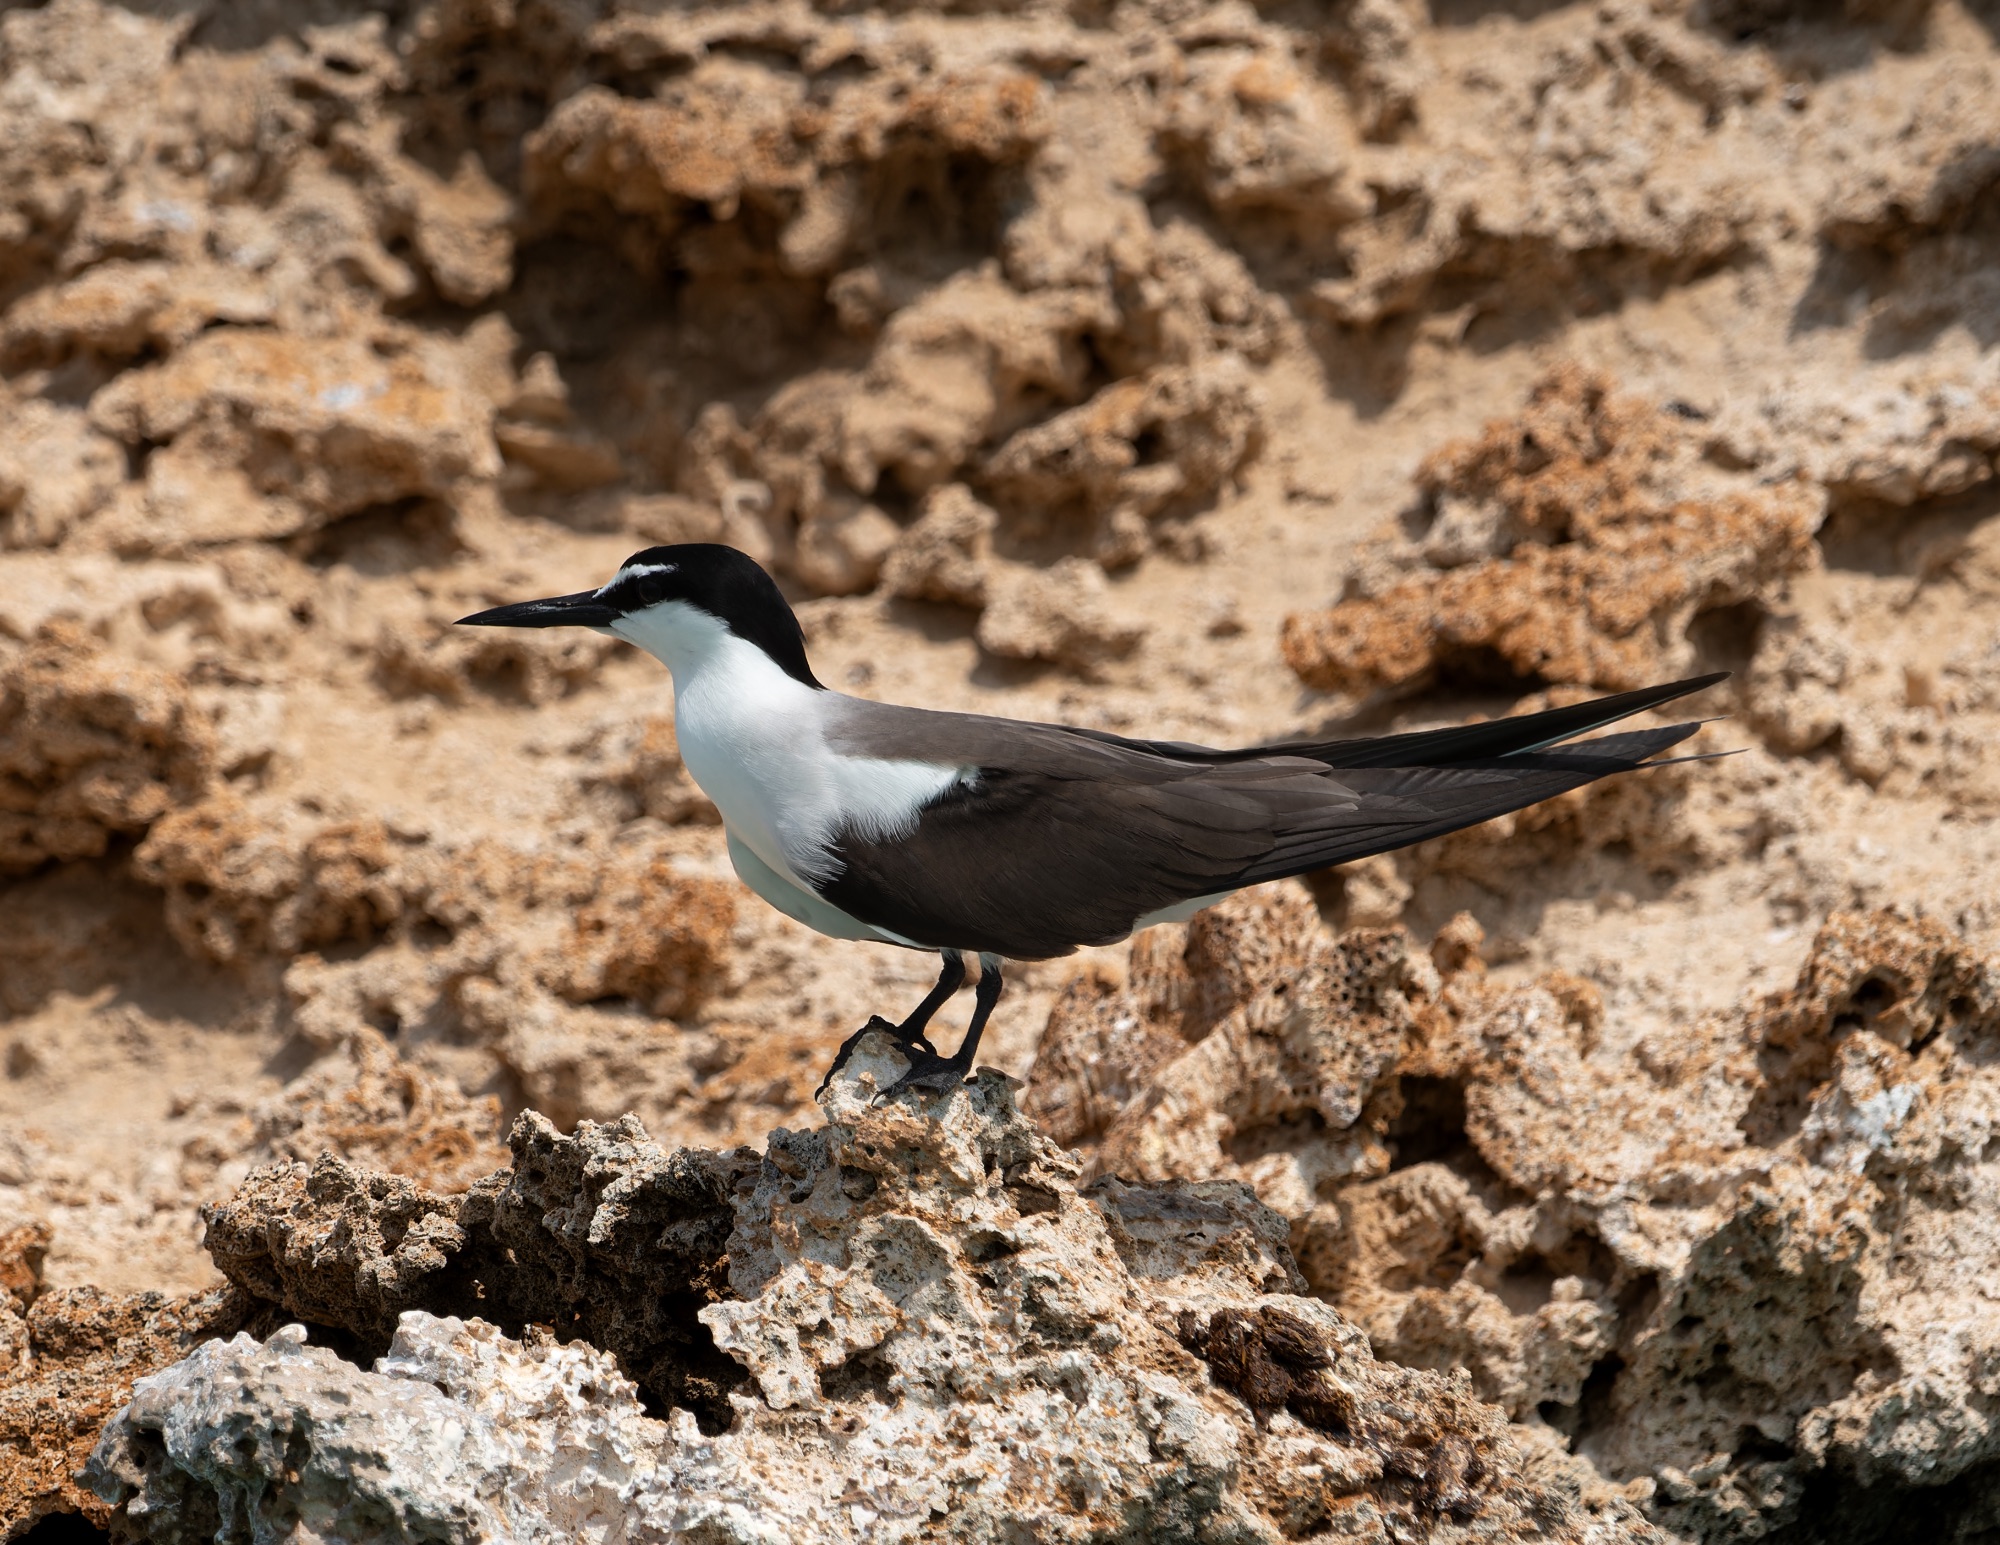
724, 674
700, 648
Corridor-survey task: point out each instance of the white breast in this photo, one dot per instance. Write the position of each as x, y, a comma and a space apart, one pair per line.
754, 739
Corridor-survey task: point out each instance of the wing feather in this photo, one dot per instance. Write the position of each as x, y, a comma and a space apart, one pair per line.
1063, 840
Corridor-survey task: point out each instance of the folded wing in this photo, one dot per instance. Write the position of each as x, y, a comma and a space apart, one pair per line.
1068, 838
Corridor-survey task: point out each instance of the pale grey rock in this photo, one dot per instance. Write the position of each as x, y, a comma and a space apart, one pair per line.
458, 1434
1060, 614
947, 1340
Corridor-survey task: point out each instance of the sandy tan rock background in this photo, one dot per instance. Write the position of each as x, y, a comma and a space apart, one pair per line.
1214, 371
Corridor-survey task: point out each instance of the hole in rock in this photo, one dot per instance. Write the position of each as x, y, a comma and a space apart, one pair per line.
1873, 998
64, 1529
1592, 1412
1430, 1129
1757, 1447
1637, 1299
1725, 637
1594, 1408
1527, 1284
1529, 1280
427, 933
863, 1377
1478, 670
987, 1246
1836, 1509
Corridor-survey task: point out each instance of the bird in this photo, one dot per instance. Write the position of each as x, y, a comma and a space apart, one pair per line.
1008, 840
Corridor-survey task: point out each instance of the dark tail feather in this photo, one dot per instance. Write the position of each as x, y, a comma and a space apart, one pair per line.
1473, 744
1438, 799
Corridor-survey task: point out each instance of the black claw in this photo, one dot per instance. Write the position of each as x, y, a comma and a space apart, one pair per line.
915, 1043
930, 1073
875, 1022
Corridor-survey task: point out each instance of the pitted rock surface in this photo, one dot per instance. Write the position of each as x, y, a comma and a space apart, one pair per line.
944, 1339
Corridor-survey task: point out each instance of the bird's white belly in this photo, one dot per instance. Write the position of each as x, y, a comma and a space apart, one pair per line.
763, 788
801, 904
758, 749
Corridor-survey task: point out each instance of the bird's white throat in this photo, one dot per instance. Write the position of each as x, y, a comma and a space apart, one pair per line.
754, 739
684, 638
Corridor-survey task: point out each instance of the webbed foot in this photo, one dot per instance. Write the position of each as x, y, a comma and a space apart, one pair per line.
914, 1042
930, 1073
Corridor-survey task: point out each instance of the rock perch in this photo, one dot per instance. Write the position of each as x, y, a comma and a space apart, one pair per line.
944, 1338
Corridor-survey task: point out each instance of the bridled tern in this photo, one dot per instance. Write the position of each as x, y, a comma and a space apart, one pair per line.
963, 834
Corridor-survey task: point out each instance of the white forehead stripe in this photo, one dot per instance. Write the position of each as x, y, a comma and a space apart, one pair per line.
633, 571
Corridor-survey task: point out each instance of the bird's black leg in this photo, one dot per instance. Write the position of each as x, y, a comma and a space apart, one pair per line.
950, 979
942, 1074
910, 1033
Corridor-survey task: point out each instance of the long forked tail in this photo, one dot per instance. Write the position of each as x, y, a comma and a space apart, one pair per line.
1524, 733
1423, 785
1435, 748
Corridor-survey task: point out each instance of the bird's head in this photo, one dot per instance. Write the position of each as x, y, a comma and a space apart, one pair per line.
679, 604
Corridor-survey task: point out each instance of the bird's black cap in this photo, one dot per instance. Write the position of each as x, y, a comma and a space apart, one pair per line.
727, 584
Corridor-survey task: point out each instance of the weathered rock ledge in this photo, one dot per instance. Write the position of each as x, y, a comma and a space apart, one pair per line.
911, 1323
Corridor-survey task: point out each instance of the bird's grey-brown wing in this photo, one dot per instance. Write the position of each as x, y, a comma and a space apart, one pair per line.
1061, 841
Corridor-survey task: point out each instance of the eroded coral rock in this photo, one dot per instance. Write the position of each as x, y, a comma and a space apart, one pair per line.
734, 132
299, 430
68, 1360
947, 554
1063, 614
1574, 545
92, 746
372, 1107
55, 470
1917, 435
1657, 1248
245, 882
1135, 449
124, 307
600, 1234
458, 1434
943, 1337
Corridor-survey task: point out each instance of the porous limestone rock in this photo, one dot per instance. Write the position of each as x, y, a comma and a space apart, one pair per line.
458, 1434
55, 470
298, 431
245, 882
370, 1106
1139, 447
1718, 1263
1918, 435
1575, 545
125, 306
68, 1361
599, 1234
1063, 614
93, 746
947, 553
943, 1337
802, 278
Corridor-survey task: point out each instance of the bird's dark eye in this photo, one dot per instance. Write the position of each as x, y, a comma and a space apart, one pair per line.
652, 588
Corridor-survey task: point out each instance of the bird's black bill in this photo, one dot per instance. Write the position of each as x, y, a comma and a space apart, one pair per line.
583, 610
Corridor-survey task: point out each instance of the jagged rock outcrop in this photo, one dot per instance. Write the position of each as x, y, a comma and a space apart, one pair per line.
932, 1332
1575, 545
1718, 1261
68, 1360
